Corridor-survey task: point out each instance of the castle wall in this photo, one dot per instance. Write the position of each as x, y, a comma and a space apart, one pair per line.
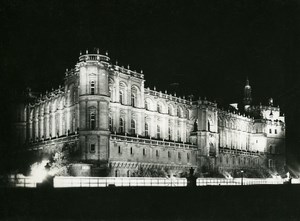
117, 120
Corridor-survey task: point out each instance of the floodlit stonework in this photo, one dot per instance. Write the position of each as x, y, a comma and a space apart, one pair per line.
105, 116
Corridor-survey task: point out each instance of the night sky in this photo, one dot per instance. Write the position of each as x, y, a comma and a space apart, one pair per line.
207, 47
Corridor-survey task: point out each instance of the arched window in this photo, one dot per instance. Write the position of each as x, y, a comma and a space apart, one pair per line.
133, 100
159, 108
146, 105
178, 135
146, 130
92, 148
122, 126
92, 85
158, 132
170, 110
92, 120
208, 125
133, 127
73, 122
179, 112
121, 97
170, 132
110, 90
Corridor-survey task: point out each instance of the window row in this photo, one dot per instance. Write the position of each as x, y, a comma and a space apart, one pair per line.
133, 130
157, 153
171, 111
239, 160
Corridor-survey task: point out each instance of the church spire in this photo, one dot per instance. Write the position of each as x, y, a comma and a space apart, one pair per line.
247, 94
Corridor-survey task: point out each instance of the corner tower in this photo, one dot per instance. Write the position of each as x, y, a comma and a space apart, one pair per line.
93, 107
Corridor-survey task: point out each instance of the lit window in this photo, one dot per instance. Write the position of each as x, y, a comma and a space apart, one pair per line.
159, 108
110, 124
133, 100
275, 131
93, 120
144, 152
146, 129
121, 97
179, 155
146, 105
132, 127
73, 122
131, 151
170, 133
271, 163
122, 125
170, 110
158, 132
92, 87
92, 148
178, 135
270, 130
119, 149
116, 173
178, 112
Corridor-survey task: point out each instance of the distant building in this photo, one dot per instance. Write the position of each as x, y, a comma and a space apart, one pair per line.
105, 116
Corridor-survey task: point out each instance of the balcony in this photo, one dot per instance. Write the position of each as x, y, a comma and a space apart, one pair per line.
93, 57
150, 141
240, 152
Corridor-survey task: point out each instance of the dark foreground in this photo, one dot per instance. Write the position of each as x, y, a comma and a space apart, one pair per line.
274, 202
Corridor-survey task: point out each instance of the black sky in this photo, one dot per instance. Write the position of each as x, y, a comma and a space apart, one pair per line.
208, 47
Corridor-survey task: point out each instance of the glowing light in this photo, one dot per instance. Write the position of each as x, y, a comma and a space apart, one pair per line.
38, 171
227, 175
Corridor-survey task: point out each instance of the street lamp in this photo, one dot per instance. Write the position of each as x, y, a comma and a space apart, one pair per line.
242, 173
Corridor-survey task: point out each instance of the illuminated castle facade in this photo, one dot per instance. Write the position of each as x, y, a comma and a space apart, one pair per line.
105, 116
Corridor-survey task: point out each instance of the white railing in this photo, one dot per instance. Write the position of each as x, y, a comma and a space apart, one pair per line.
117, 181
19, 181
61, 182
237, 181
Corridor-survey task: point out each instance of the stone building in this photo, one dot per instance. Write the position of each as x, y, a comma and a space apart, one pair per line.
104, 114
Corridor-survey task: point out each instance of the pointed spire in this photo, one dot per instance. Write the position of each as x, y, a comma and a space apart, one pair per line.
247, 94
247, 81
